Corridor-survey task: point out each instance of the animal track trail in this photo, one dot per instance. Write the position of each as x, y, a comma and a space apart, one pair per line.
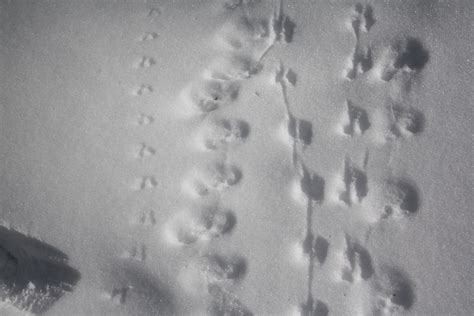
355, 183
356, 120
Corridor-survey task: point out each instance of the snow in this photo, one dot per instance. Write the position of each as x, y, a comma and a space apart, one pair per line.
237, 157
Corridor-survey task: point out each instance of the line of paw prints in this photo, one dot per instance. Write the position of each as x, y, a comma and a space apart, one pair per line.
241, 42
390, 290
138, 252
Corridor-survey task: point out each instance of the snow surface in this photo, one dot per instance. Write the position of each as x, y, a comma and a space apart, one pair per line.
240, 157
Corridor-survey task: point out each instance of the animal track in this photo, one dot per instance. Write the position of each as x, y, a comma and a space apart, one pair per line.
361, 59
361, 62
144, 119
119, 295
201, 224
363, 19
235, 67
283, 27
147, 218
246, 35
225, 268
143, 90
148, 36
145, 151
401, 198
320, 249
286, 76
314, 308
224, 132
137, 252
357, 120
224, 303
154, 12
137, 291
407, 55
393, 292
355, 181
209, 95
34, 275
146, 182
359, 262
145, 62
300, 130
312, 185
217, 176
405, 121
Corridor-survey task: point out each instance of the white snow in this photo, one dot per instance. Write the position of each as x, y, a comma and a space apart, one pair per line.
239, 157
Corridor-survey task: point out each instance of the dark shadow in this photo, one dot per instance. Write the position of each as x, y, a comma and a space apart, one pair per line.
34, 274
321, 246
399, 288
412, 54
288, 29
312, 186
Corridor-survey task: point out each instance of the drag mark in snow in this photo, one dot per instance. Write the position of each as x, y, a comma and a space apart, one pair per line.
312, 187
